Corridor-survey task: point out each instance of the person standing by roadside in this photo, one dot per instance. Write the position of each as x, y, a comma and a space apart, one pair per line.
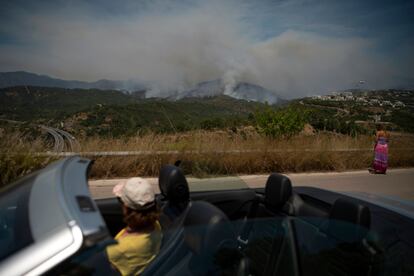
380, 163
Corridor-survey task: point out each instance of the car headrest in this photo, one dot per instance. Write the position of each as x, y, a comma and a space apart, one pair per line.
349, 220
173, 184
278, 190
207, 229
348, 211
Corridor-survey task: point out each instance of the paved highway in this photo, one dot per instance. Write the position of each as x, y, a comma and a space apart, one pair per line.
59, 143
60, 136
396, 183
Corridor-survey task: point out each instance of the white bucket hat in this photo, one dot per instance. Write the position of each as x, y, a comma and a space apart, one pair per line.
136, 193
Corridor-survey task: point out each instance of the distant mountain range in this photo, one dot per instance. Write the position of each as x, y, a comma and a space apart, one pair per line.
241, 90
9, 79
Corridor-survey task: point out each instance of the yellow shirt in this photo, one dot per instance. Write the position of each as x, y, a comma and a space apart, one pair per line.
134, 251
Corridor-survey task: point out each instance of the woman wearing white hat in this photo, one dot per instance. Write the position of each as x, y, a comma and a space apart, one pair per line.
139, 242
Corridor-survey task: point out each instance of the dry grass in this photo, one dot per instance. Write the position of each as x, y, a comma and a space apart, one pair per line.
219, 153
17, 158
245, 140
203, 165
213, 153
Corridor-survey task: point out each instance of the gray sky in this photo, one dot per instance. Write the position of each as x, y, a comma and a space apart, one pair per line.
293, 47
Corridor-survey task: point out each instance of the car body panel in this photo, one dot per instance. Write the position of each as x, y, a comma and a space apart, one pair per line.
62, 217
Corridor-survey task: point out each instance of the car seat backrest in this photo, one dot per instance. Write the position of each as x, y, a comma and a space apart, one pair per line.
211, 238
264, 244
173, 184
277, 191
175, 192
349, 221
351, 212
206, 227
340, 246
262, 233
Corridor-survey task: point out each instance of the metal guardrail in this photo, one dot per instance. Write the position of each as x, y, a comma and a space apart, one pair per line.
176, 152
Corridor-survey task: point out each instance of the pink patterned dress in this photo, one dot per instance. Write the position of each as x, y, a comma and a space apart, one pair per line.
381, 156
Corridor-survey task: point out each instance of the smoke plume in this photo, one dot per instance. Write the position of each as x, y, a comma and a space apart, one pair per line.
173, 49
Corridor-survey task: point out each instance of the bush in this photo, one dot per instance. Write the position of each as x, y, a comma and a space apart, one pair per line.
18, 156
283, 122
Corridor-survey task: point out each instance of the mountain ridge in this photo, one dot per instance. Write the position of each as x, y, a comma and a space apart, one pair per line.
237, 90
22, 78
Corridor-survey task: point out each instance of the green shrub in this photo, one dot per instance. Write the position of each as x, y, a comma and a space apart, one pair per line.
283, 122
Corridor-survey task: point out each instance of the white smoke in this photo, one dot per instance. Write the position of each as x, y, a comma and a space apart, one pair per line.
174, 51
230, 82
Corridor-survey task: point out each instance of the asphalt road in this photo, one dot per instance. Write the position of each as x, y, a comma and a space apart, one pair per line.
63, 140
396, 183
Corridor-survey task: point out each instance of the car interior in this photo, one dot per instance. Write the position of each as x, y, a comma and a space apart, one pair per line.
279, 229
276, 230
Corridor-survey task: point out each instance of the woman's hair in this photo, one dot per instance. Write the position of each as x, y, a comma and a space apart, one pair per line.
142, 220
380, 127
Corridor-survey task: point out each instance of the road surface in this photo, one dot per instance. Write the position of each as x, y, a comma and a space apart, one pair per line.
60, 136
397, 183
59, 142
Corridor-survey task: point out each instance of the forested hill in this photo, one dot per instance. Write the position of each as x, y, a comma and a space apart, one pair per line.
116, 113
29, 102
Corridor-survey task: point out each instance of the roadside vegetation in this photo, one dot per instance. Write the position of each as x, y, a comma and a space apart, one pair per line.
18, 158
207, 153
212, 136
244, 152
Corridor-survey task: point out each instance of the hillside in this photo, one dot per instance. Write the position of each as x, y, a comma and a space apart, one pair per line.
87, 112
162, 116
362, 109
97, 112
20, 78
237, 90
31, 103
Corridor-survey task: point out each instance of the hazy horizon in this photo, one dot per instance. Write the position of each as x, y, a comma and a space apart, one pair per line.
138, 86
295, 48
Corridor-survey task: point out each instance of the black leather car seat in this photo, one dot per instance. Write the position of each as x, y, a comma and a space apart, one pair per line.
175, 192
341, 247
263, 234
175, 203
348, 221
278, 191
211, 239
